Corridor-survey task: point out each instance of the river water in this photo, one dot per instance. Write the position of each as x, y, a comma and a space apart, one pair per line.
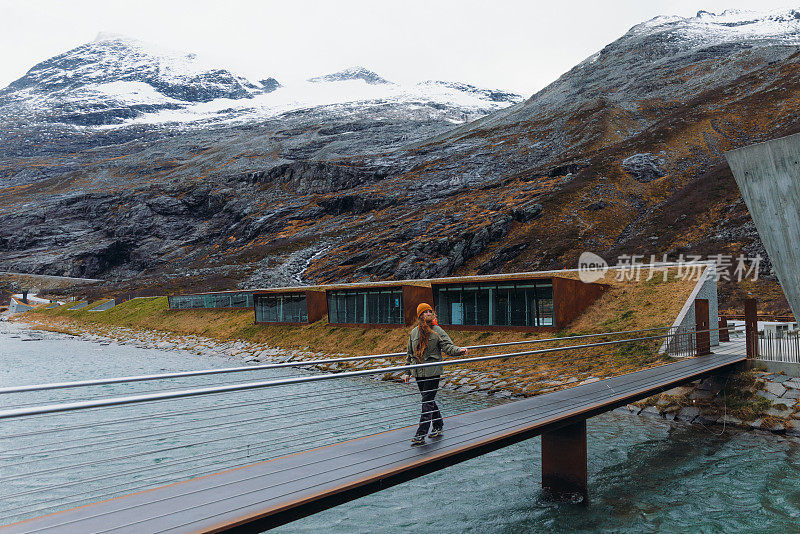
645, 474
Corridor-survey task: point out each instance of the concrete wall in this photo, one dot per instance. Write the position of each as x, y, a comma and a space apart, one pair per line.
705, 288
104, 306
768, 175
17, 307
787, 368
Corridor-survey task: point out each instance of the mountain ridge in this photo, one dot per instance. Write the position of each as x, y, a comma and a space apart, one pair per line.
621, 155
121, 81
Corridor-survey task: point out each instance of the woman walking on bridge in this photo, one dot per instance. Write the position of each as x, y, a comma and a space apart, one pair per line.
426, 343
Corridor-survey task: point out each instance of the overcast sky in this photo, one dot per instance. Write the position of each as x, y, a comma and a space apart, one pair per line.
518, 45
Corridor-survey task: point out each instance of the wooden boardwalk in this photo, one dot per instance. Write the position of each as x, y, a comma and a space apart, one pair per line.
258, 496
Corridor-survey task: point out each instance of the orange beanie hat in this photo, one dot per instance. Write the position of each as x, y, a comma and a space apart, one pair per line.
423, 308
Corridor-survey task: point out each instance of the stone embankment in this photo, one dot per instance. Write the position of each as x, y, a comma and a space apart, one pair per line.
753, 400
756, 400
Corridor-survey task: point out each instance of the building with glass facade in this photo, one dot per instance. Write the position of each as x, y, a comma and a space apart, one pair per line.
379, 306
227, 299
288, 308
524, 301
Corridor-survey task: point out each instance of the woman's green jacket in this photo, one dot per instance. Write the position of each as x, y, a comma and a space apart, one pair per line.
438, 342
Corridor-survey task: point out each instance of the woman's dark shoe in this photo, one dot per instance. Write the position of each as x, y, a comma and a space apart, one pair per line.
436, 433
418, 440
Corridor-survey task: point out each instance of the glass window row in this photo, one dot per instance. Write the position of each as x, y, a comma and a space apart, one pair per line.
281, 308
365, 307
217, 300
528, 304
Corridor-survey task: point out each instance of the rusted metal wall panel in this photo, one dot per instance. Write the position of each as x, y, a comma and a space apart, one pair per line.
317, 304
572, 297
413, 296
751, 328
724, 333
564, 462
702, 327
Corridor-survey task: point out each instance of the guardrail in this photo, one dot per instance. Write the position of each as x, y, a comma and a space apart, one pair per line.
779, 346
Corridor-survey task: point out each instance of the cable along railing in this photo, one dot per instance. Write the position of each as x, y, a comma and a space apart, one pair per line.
71, 443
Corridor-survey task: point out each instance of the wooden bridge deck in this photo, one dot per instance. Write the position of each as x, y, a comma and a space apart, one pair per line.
258, 496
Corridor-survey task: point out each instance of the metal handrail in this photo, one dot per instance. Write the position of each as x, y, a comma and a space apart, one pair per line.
306, 363
135, 399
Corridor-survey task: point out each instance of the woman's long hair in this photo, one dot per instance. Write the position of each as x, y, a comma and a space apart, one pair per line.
424, 335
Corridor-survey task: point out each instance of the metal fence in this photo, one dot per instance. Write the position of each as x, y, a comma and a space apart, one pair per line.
681, 342
779, 346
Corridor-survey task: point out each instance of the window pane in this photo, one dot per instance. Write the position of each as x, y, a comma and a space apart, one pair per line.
350, 308
501, 307
303, 305
384, 307
469, 298
463, 305
272, 309
396, 302
361, 307
372, 307
544, 294
482, 307
444, 307
517, 305
241, 300
281, 309
530, 305
456, 308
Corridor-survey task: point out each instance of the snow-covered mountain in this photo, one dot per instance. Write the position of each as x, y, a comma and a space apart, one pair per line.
343, 179
352, 73
115, 78
666, 59
118, 81
710, 29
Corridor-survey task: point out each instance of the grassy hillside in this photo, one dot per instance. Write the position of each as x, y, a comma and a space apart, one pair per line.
626, 305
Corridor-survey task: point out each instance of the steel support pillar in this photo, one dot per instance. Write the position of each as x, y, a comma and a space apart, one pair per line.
702, 327
564, 471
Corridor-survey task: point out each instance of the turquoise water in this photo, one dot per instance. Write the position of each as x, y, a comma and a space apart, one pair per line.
58, 461
645, 475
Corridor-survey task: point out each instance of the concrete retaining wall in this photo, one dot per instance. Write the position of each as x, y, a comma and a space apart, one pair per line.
706, 288
18, 307
104, 306
786, 368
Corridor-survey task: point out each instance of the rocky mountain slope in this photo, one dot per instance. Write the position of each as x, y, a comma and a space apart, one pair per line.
621, 155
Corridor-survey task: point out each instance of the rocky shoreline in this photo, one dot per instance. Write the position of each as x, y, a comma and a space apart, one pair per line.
755, 400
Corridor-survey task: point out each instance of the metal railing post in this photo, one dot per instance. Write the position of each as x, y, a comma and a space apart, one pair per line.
751, 330
702, 328
724, 335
